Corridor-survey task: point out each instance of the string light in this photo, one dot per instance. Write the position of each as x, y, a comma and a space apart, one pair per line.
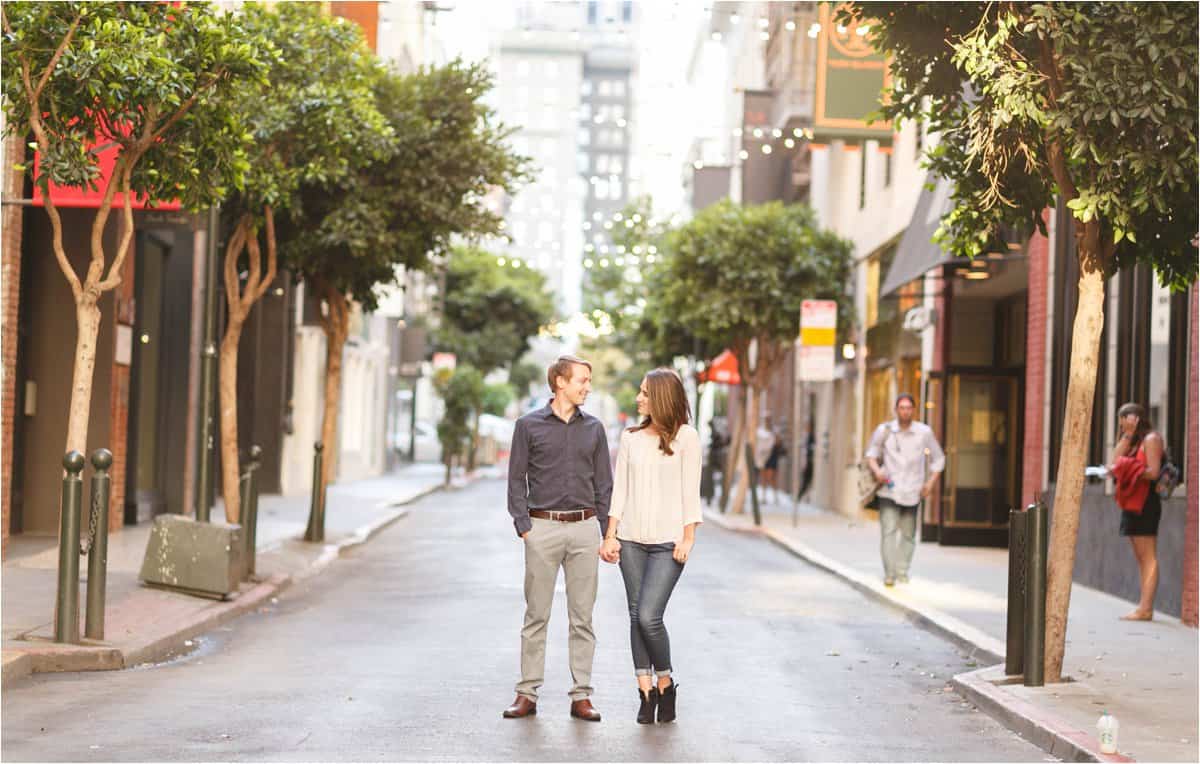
743, 154
766, 149
814, 30
500, 261
789, 143
763, 23
790, 26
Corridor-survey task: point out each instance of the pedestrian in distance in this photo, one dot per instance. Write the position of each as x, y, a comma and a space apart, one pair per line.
770, 474
559, 480
906, 460
1136, 462
652, 529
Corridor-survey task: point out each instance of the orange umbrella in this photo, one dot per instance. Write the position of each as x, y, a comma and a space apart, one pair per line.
723, 369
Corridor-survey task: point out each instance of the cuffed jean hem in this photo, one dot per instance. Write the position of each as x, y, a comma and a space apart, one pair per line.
579, 696
643, 672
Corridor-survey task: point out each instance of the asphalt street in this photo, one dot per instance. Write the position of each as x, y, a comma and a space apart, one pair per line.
408, 649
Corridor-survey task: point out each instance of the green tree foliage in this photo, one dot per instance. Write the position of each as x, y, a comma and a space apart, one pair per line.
314, 121
462, 392
737, 275
497, 397
491, 311
1095, 103
523, 375
144, 81
401, 210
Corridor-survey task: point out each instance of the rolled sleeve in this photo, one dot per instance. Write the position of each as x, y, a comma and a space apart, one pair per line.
875, 447
603, 481
518, 484
937, 458
690, 457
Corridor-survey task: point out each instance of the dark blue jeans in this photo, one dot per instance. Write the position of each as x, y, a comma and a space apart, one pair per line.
650, 574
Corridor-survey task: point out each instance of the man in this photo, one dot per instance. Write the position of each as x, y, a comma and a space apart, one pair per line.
559, 480
899, 453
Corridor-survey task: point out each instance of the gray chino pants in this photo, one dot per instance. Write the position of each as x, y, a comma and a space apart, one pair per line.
573, 547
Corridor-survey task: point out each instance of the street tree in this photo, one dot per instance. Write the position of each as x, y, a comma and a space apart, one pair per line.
404, 210
139, 85
463, 392
314, 121
736, 277
491, 308
1093, 103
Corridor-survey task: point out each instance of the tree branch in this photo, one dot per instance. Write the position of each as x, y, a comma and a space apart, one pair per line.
272, 259
58, 54
114, 272
234, 248
1056, 158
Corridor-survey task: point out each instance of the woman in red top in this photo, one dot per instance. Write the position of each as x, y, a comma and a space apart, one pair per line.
1136, 462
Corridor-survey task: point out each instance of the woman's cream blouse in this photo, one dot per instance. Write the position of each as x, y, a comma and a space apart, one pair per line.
655, 495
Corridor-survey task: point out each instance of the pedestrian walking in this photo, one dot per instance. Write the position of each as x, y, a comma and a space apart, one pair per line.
559, 479
906, 460
1136, 462
770, 473
652, 529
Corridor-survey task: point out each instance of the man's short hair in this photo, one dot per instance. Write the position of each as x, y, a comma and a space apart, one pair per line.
562, 368
905, 396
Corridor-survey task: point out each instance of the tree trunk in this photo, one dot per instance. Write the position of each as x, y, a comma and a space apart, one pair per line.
751, 439
1085, 353
239, 300
87, 328
227, 386
336, 326
733, 461
472, 453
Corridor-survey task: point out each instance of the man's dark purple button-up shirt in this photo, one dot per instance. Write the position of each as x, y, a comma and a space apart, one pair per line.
558, 465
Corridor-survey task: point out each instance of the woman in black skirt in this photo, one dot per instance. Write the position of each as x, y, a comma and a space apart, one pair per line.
1136, 462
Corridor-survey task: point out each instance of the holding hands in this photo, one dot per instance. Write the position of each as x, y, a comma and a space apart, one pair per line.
610, 550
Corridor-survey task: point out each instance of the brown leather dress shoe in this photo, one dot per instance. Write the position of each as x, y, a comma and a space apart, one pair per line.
520, 708
583, 709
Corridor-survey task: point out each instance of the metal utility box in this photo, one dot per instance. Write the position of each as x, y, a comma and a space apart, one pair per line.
206, 559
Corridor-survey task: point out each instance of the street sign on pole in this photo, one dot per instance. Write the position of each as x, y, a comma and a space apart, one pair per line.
818, 332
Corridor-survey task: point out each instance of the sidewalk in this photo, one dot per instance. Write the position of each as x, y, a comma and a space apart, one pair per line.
144, 624
1144, 673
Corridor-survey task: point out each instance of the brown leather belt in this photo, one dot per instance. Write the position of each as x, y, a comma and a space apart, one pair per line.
568, 516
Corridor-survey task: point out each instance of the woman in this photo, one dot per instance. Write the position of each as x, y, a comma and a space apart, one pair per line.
1136, 462
652, 528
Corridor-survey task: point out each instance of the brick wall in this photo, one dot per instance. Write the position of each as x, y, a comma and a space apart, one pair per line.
1191, 560
10, 283
123, 305
1035, 364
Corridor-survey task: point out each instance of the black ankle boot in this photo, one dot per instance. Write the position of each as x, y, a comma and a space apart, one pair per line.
649, 703
666, 703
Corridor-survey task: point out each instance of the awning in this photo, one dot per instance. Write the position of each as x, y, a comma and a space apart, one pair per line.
917, 254
723, 369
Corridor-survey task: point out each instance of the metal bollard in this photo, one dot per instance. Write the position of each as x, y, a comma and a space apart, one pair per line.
316, 512
1035, 595
752, 473
66, 605
249, 494
1014, 652
97, 548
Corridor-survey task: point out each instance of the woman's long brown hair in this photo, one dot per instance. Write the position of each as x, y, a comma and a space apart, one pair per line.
1144, 425
668, 406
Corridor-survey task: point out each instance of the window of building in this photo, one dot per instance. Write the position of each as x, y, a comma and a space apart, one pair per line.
519, 229
585, 88
585, 111
582, 161
627, 11
585, 136
593, 11
605, 88
617, 138
618, 88
600, 190
545, 230
615, 165
550, 69
523, 68
602, 163
618, 111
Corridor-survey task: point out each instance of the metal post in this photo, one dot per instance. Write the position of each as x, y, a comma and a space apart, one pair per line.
97, 551
1035, 594
208, 376
1014, 652
412, 424
752, 473
316, 512
250, 508
66, 606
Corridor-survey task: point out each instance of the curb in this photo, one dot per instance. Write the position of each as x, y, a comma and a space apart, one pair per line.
50, 657
1041, 729
1046, 731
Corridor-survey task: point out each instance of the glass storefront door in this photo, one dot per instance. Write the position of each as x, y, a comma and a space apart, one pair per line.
981, 481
